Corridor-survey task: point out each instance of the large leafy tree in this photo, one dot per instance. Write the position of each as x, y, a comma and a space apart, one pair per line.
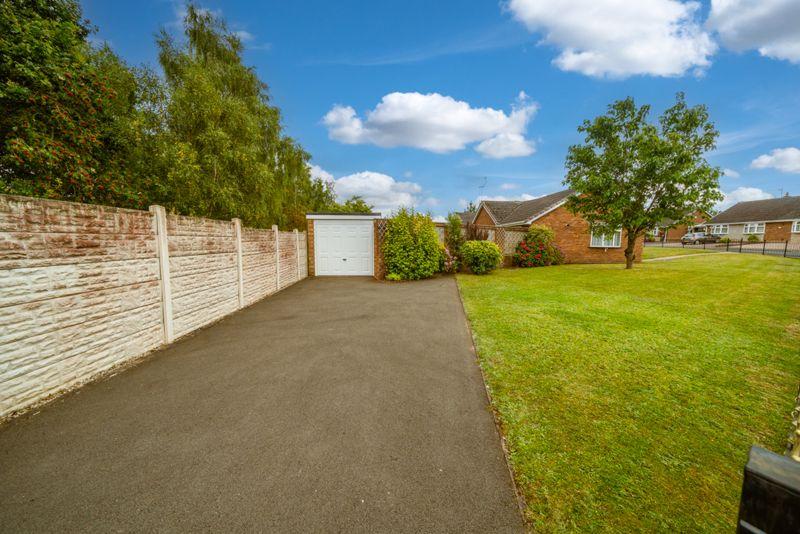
236, 160
56, 106
631, 173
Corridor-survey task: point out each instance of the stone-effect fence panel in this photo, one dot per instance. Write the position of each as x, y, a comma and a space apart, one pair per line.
86, 288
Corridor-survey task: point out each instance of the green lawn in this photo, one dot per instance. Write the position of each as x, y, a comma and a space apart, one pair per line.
630, 398
657, 252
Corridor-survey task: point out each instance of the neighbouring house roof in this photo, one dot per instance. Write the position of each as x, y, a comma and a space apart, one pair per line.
774, 209
466, 216
667, 222
523, 211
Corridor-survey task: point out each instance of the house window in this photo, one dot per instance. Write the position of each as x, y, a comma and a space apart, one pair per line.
607, 241
796, 226
754, 228
719, 229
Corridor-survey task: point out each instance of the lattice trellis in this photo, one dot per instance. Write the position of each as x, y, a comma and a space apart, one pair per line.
380, 236
506, 238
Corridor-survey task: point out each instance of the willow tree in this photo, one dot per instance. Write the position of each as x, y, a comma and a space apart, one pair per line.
630, 174
244, 166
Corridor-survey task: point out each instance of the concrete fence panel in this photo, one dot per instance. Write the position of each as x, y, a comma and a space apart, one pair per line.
86, 288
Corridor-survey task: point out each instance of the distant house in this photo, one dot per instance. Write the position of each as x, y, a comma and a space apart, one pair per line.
774, 219
573, 234
466, 217
668, 230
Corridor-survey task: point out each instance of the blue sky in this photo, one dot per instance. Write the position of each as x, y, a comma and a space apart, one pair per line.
434, 104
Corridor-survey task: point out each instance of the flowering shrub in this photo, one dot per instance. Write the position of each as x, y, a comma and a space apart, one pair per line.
481, 256
448, 263
537, 249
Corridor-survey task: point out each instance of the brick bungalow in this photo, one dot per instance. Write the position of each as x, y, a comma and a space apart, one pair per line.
573, 234
774, 219
667, 230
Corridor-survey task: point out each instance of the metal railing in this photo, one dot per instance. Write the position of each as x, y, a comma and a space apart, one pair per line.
786, 249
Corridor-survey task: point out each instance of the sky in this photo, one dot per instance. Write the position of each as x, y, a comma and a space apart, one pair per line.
435, 104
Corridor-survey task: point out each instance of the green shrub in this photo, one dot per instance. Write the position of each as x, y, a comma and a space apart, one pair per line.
537, 248
752, 238
411, 246
481, 256
725, 240
454, 238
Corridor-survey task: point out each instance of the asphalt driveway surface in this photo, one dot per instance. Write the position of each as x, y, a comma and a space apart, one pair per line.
337, 405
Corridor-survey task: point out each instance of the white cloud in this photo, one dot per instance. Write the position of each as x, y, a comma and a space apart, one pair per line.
730, 173
436, 123
244, 36
379, 190
619, 38
506, 145
741, 194
431, 202
318, 172
463, 203
782, 159
439, 219
523, 196
770, 26
508, 187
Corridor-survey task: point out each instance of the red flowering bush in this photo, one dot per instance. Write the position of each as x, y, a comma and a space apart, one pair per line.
537, 249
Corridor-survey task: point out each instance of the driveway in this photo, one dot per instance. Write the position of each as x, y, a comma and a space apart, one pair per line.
339, 404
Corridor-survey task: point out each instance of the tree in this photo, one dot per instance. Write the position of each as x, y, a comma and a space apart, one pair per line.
454, 235
354, 204
77, 123
56, 106
631, 174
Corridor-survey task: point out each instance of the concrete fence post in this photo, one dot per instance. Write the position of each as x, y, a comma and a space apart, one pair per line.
162, 249
297, 252
237, 228
277, 258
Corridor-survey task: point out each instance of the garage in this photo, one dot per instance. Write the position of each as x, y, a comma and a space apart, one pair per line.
342, 244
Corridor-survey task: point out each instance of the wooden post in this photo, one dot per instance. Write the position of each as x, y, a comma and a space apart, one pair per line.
277, 258
237, 228
162, 247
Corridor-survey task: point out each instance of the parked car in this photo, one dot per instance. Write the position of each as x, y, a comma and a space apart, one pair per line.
695, 238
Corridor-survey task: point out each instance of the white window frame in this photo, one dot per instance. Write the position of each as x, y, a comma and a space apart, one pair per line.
796, 227
719, 229
754, 228
612, 241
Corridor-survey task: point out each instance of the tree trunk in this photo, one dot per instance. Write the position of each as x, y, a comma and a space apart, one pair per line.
630, 255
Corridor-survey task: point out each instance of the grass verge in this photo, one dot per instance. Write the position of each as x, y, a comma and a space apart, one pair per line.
657, 252
629, 399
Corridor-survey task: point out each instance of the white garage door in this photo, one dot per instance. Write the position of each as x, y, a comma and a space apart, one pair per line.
343, 248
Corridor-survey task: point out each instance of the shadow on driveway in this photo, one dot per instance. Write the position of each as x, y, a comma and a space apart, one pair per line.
339, 404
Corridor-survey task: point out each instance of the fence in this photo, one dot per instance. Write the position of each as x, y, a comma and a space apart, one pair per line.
85, 288
507, 238
786, 249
